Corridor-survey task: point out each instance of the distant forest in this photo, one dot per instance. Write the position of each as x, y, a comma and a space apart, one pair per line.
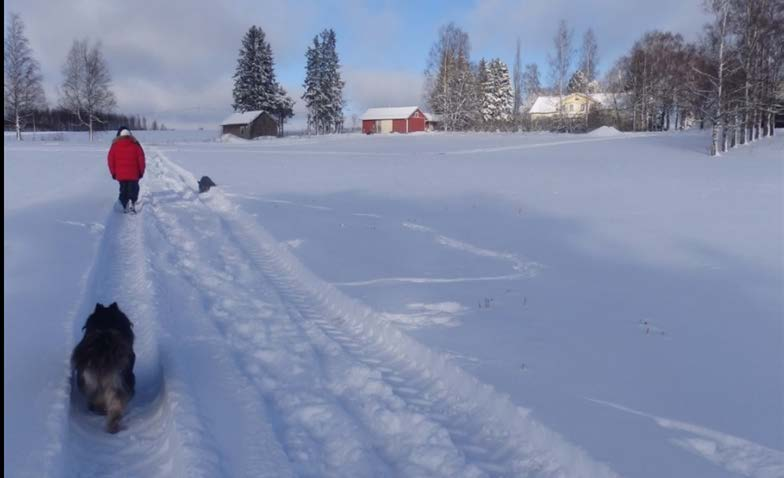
60, 119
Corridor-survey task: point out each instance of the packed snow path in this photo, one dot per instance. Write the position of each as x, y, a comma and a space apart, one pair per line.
249, 365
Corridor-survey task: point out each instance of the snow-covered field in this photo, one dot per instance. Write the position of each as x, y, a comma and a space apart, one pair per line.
420, 305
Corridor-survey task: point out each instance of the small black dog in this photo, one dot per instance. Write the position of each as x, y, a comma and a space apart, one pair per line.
205, 183
104, 361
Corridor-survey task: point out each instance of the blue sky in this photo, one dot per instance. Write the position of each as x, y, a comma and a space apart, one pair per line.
173, 60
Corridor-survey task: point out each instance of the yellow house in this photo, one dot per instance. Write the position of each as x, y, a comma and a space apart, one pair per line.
573, 105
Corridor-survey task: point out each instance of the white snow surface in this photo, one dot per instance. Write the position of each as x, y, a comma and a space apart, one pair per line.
436, 305
230, 138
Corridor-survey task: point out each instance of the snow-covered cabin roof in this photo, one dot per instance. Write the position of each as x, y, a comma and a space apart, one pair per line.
242, 118
402, 112
432, 117
545, 104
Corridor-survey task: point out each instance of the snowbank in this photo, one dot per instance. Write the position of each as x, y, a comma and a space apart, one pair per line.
230, 138
605, 131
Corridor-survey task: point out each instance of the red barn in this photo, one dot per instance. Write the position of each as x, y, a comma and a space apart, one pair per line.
406, 119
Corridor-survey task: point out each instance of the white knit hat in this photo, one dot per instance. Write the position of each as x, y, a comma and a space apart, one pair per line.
125, 132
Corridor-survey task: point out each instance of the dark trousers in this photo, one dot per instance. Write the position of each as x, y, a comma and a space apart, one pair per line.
129, 191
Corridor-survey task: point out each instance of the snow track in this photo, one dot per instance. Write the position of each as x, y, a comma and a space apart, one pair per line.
249, 365
160, 423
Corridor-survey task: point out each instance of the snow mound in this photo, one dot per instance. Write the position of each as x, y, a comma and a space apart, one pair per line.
605, 131
230, 138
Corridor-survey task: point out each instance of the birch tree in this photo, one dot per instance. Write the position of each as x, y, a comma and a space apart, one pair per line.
560, 60
449, 81
23, 93
86, 86
517, 86
589, 56
720, 10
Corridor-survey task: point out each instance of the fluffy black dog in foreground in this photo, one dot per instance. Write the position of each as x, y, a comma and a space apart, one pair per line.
103, 362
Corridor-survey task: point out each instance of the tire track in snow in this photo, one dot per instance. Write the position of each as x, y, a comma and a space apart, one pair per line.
161, 435
195, 286
421, 414
319, 435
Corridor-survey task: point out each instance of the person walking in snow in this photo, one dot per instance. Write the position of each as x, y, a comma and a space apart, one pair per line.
126, 163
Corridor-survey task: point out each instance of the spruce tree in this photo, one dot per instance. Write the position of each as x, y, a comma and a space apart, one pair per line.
578, 83
255, 86
495, 93
504, 96
332, 84
323, 85
312, 84
253, 76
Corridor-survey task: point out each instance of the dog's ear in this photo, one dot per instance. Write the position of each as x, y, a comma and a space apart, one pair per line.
98, 307
114, 306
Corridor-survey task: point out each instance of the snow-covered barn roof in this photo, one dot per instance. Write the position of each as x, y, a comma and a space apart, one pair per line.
242, 118
402, 112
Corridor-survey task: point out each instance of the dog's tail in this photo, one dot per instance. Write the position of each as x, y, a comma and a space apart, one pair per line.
115, 398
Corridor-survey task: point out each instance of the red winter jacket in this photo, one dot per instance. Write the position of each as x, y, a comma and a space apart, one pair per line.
126, 159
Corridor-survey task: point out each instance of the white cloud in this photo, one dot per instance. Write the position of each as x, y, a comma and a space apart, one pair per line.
176, 105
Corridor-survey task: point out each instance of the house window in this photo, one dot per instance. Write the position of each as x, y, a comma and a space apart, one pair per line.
582, 107
571, 108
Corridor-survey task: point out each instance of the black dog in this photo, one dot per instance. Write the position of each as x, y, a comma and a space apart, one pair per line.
104, 361
205, 183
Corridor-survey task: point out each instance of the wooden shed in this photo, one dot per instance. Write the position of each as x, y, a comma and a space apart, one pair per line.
406, 119
250, 124
432, 122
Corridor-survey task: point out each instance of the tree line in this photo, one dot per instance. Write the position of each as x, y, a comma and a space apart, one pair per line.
61, 119
731, 79
482, 95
